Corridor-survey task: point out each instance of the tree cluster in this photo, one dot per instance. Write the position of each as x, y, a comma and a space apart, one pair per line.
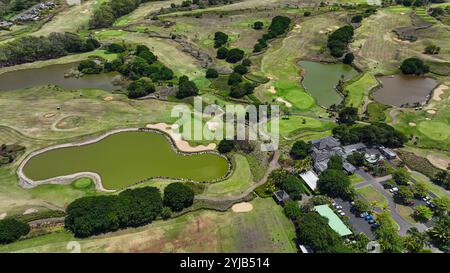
377, 133
11, 230
414, 66
178, 196
31, 48
186, 88
105, 15
93, 215
278, 26
339, 40
8, 153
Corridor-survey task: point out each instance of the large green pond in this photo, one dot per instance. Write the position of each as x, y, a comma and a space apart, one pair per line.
125, 158
320, 80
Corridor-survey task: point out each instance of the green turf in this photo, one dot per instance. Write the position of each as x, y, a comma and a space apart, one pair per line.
240, 180
373, 196
357, 90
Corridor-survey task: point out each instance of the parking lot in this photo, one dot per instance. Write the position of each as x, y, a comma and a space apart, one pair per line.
359, 224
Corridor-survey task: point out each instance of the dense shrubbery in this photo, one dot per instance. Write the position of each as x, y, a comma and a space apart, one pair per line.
334, 182
30, 48
89, 67
258, 25
140, 88
339, 39
220, 39
105, 15
178, 196
234, 55
212, 73
300, 150
11, 230
377, 133
186, 88
225, 146
314, 231
414, 66
92, 215
8, 153
293, 186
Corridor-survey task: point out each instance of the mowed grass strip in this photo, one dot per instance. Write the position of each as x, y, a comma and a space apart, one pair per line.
357, 90
264, 229
240, 180
373, 196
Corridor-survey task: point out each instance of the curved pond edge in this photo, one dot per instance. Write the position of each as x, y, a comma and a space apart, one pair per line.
380, 85
336, 89
28, 183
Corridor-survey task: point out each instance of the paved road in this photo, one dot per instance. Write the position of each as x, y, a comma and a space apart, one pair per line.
272, 166
403, 224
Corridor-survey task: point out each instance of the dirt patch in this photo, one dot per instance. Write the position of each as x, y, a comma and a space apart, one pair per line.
412, 124
181, 144
272, 89
288, 104
242, 207
108, 98
439, 91
440, 162
431, 112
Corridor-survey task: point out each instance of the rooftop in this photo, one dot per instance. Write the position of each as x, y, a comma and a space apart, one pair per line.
310, 179
333, 220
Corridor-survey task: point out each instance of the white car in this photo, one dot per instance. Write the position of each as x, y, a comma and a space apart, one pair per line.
339, 207
342, 213
395, 189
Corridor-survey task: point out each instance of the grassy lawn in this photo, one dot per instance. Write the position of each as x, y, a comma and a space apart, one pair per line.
356, 178
285, 74
298, 125
240, 180
439, 191
358, 90
406, 212
264, 229
373, 196
428, 130
376, 112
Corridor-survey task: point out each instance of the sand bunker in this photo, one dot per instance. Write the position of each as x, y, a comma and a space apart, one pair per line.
242, 207
440, 162
439, 91
181, 144
30, 211
49, 115
212, 125
272, 89
297, 26
412, 124
431, 111
3, 216
288, 104
108, 98
322, 31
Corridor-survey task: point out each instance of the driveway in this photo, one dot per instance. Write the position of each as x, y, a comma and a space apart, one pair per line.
403, 224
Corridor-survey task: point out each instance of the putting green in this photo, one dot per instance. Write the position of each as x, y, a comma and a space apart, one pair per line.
434, 129
125, 158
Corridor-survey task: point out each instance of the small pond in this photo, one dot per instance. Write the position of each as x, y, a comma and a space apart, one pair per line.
320, 80
404, 90
125, 158
54, 74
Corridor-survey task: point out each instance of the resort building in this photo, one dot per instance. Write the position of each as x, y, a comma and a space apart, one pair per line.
310, 178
